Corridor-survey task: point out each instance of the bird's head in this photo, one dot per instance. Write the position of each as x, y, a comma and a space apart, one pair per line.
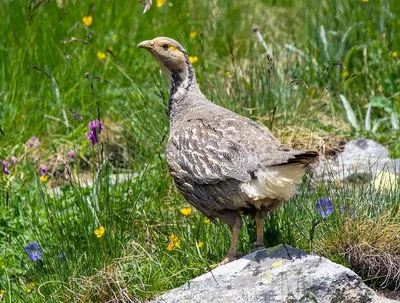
170, 55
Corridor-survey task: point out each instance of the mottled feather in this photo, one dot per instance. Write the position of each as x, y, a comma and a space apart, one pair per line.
220, 160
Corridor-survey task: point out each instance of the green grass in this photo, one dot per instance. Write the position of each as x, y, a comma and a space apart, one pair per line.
140, 214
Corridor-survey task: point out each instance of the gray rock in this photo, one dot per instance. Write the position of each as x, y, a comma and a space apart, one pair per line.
360, 161
365, 148
279, 274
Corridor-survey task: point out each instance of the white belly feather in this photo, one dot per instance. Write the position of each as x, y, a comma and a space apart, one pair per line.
275, 182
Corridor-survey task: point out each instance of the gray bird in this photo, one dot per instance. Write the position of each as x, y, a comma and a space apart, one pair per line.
224, 164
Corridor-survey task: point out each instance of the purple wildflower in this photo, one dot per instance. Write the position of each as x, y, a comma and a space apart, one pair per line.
324, 207
14, 160
96, 124
43, 170
4, 166
62, 257
95, 129
72, 155
34, 142
93, 138
34, 251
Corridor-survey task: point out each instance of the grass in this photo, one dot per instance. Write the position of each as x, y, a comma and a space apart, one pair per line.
131, 260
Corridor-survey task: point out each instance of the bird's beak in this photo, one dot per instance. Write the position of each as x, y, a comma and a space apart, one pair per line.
146, 44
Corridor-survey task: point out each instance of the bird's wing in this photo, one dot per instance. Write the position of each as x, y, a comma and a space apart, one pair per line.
210, 150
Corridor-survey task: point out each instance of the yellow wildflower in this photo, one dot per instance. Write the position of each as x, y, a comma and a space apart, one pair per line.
99, 232
206, 220
364, 1
385, 181
32, 284
175, 242
88, 20
160, 3
192, 35
199, 244
312, 91
44, 178
2, 292
186, 211
193, 59
173, 238
228, 75
3, 267
101, 55
170, 246
394, 54
345, 74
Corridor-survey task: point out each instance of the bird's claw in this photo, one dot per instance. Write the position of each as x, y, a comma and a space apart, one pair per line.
231, 257
258, 246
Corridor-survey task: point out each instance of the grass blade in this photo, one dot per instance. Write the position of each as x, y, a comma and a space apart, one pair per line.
368, 118
394, 121
324, 41
349, 112
377, 124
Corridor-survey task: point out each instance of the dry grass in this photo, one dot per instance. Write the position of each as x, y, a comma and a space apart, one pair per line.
371, 246
116, 282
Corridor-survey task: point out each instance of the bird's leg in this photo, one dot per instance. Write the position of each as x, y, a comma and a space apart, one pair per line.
234, 220
237, 226
259, 218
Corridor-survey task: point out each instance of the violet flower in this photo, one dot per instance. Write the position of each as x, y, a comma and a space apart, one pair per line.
324, 207
34, 142
4, 165
95, 129
43, 170
62, 256
34, 251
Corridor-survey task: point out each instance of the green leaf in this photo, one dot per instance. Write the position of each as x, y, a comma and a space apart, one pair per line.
349, 112
381, 102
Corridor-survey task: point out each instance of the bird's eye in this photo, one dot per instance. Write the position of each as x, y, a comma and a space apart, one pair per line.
165, 46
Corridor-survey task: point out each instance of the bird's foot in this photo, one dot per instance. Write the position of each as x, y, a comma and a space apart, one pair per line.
231, 257
258, 246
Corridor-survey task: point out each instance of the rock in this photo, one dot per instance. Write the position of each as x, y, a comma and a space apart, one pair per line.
365, 148
278, 274
360, 161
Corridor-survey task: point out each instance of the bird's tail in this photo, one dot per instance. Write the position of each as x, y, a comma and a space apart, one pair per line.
305, 157
279, 181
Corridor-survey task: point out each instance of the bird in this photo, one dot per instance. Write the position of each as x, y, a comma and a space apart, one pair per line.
224, 164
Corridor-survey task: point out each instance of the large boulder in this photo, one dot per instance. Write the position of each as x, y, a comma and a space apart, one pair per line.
278, 274
361, 161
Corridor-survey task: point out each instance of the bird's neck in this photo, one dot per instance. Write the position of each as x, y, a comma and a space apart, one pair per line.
184, 90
